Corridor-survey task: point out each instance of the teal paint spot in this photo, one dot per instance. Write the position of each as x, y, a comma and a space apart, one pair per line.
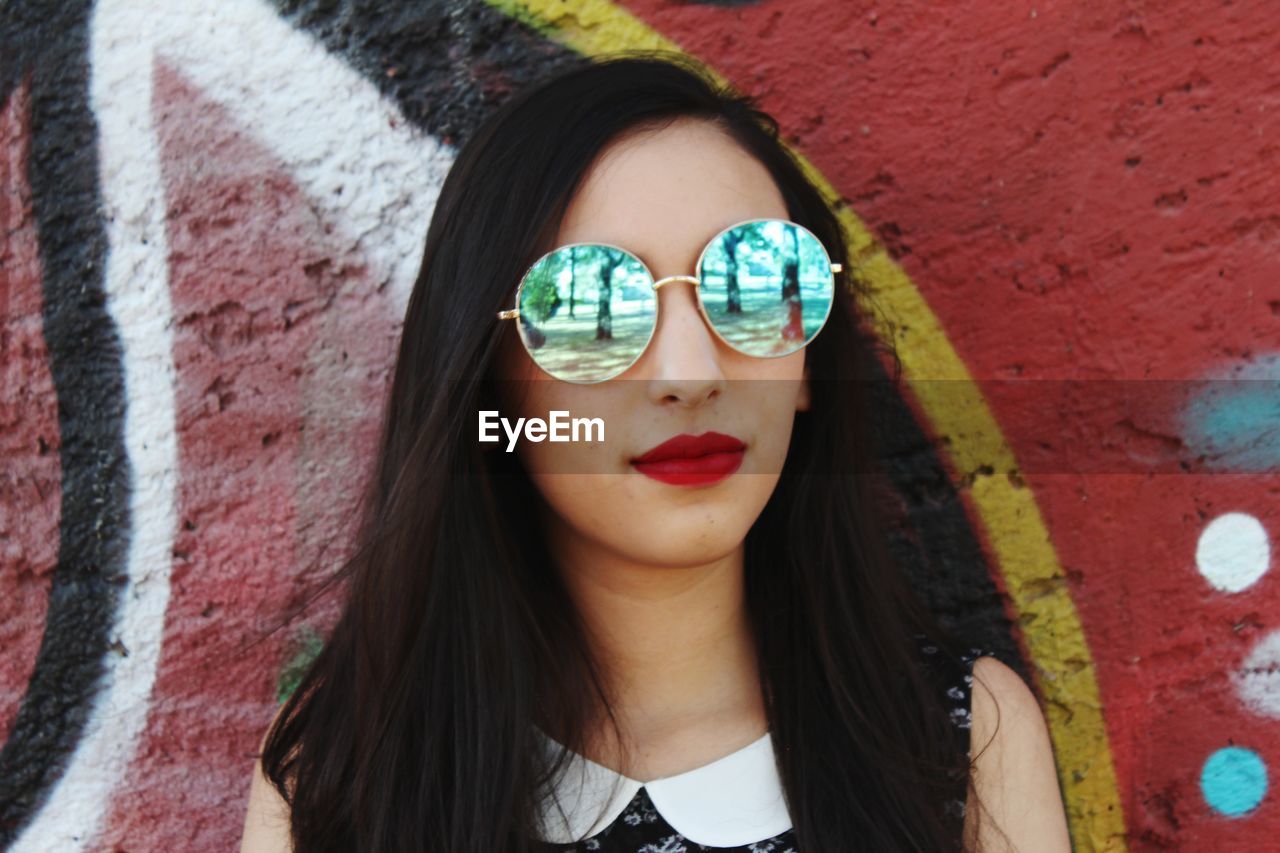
1234, 422
1233, 780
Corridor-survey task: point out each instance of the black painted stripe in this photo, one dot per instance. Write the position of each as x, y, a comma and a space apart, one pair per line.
84, 360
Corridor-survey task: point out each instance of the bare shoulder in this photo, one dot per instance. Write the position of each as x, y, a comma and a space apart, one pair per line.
266, 821
1015, 777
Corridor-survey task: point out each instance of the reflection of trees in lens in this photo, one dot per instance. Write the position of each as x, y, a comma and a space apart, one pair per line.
790, 265
604, 315
573, 274
606, 311
729, 244
604, 318
532, 333
540, 297
794, 328
544, 295
783, 287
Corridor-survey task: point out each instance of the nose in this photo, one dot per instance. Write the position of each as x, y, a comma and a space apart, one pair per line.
684, 355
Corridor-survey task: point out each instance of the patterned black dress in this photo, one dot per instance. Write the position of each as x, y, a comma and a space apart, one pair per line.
642, 828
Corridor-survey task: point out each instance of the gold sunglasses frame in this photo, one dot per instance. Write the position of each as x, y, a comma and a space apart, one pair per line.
513, 313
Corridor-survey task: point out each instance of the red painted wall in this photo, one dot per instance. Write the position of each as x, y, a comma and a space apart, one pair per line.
1076, 191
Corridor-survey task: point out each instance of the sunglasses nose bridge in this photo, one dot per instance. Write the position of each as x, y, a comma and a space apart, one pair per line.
692, 279
689, 278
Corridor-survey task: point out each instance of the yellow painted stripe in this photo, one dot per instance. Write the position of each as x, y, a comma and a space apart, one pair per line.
589, 27
1023, 552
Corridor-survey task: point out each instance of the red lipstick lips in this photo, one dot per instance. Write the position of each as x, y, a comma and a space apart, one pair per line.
692, 460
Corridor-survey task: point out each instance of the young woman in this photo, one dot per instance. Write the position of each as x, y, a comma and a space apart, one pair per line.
685, 634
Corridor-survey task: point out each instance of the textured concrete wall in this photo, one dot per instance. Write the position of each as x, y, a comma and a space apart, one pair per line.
212, 215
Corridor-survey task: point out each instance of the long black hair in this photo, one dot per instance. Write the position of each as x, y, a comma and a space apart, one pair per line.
411, 728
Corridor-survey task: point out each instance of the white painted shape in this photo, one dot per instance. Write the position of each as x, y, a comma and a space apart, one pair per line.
1258, 679
1233, 551
323, 119
331, 128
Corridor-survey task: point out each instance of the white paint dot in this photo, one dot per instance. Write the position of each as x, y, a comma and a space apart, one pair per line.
1233, 551
1258, 679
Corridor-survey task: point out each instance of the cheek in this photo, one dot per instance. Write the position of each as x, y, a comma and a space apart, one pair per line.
581, 415
773, 431
772, 395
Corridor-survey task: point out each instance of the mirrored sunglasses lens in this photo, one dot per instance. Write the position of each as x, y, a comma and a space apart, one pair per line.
586, 312
767, 286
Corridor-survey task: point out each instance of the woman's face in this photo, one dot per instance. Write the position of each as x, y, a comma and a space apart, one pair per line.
662, 194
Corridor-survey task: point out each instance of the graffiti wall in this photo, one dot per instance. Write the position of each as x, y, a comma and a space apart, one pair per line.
212, 215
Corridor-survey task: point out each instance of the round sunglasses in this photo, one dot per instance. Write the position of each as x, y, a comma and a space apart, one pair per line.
587, 311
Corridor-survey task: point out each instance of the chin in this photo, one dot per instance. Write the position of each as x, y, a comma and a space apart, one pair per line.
697, 536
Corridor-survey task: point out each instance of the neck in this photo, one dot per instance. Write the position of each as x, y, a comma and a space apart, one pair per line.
674, 642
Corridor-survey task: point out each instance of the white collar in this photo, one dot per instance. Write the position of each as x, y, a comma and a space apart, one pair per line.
732, 801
